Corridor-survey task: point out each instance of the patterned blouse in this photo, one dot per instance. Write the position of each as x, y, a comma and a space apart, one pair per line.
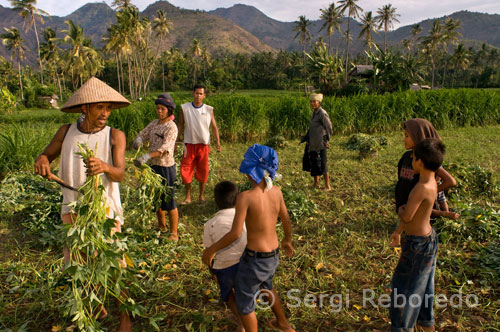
161, 137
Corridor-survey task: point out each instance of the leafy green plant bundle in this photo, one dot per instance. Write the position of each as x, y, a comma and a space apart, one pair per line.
96, 269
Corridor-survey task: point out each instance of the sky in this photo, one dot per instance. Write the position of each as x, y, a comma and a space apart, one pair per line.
411, 11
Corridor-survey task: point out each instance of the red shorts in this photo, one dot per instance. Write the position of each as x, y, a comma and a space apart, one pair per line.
195, 157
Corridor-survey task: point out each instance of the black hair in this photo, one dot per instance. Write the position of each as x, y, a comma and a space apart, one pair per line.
200, 86
431, 151
225, 193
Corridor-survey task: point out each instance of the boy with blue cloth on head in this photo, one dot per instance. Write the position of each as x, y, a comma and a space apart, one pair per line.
227, 260
258, 209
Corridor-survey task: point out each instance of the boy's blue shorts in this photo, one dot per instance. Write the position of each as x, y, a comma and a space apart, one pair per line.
256, 271
226, 278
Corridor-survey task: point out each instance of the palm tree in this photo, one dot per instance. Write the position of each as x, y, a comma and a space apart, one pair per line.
81, 58
206, 57
353, 11
386, 16
50, 54
302, 29
451, 35
416, 29
332, 19
460, 59
122, 4
195, 50
162, 27
14, 43
369, 26
431, 44
28, 11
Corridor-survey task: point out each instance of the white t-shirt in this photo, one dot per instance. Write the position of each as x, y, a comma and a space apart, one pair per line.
197, 123
215, 229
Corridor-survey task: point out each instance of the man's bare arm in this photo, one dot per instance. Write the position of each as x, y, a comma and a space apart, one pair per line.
448, 180
51, 152
116, 171
233, 235
215, 130
180, 126
406, 212
287, 227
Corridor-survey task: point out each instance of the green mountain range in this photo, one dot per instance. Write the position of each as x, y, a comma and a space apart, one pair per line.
240, 28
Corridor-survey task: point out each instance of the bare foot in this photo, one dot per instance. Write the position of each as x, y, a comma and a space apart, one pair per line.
273, 324
173, 237
185, 202
125, 323
163, 229
327, 188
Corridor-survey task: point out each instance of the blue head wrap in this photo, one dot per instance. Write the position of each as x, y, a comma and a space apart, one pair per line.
257, 160
166, 100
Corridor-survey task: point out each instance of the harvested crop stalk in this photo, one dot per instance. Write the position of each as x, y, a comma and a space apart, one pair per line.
95, 251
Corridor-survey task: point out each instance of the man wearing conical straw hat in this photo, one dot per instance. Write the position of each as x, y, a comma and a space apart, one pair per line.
94, 100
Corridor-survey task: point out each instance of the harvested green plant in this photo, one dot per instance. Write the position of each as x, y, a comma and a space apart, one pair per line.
96, 269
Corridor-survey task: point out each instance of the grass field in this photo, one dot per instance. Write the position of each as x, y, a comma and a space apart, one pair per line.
340, 239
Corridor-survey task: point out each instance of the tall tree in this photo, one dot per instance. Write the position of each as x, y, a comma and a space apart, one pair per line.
302, 29
195, 51
386, 17
460, 60
353, 11
122, 4
14, 43
431, 44
28, 11
332, 19
49, 51
161, 27
369, 26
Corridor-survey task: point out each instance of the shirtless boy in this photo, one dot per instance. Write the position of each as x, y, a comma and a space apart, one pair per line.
259, 209
413, 280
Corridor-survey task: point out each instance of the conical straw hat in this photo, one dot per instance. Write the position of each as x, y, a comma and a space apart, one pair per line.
94, 91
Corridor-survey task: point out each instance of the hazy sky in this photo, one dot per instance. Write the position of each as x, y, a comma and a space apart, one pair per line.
411, 11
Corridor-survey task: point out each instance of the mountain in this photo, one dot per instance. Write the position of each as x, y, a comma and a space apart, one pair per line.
240, 28
280, 35
478, 27
215, 33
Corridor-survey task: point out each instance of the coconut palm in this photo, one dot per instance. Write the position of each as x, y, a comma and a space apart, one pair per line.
81, 58
386, 17
431, 44
460, 60
353, 11
332, 19
49, 51
14, 43
195, 51
122, 4
416, 29
302, 29
161, 27
206, 57
369, 25
28, 11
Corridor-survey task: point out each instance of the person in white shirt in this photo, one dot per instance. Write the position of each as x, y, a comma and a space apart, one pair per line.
195, 121
226, 261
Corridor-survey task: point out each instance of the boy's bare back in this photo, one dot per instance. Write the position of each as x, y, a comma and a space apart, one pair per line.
416, 213
261, 209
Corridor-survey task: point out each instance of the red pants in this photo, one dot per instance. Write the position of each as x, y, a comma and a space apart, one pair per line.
195, 157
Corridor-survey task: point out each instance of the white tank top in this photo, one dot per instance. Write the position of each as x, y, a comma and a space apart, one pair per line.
197, 123
72, 168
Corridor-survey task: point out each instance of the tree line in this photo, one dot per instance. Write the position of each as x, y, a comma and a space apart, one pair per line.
134, 62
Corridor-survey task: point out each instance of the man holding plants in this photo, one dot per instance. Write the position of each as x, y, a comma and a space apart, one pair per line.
197, 118
95, 100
